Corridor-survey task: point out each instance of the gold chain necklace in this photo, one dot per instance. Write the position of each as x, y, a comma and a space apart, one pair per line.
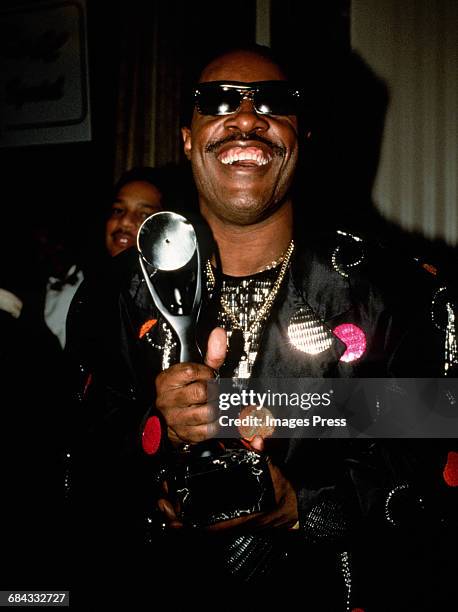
274, 263
246, 362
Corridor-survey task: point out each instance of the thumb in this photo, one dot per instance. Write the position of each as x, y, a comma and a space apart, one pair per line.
257, 443
216, 348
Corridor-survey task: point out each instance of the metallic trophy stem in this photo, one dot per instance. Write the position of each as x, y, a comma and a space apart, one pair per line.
167, 242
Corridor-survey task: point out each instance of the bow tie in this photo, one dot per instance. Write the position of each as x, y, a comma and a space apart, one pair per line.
57, 284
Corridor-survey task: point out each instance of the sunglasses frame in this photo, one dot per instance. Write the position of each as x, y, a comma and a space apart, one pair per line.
247, 91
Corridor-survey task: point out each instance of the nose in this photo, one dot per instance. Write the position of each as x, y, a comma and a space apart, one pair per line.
246, 119
128, 222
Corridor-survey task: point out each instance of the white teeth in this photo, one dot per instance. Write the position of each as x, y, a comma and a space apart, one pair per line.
245, 156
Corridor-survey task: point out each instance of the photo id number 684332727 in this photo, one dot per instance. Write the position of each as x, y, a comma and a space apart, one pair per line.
11, 599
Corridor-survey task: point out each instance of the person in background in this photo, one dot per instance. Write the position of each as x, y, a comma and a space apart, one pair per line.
38, 283
138, 194
34, 300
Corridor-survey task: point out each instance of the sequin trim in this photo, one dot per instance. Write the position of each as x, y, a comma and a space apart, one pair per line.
440, 304
389, 498
346, 571
451, 348
167, 348
340, 267
434, 308
307, 334
355, 340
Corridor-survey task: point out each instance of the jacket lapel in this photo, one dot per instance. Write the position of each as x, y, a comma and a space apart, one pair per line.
314, 295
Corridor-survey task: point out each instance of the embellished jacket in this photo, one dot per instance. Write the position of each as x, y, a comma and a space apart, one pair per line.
118, 343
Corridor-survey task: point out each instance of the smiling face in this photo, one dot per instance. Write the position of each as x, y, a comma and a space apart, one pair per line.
243, 163
134, 202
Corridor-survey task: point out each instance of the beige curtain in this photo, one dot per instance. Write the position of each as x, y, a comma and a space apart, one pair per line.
413, 45
147, 125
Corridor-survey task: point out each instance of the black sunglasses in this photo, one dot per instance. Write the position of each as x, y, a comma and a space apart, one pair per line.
268, 97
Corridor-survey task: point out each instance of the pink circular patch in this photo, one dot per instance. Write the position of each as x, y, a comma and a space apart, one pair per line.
354, 338
451, 469
151, 437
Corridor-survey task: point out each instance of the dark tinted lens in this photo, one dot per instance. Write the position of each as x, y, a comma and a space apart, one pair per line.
269, 97
277, 99
215, 100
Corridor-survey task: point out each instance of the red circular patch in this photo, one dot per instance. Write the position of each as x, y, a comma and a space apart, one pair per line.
451, 469
151, 437
354, 338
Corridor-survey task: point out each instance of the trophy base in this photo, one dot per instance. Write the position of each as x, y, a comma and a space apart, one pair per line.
211, 484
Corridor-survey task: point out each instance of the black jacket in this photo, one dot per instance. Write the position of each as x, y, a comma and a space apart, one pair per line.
344, 487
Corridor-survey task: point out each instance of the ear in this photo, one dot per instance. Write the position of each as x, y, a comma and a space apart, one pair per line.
187, 141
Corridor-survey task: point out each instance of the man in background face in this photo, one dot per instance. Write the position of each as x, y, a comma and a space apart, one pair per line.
134, 202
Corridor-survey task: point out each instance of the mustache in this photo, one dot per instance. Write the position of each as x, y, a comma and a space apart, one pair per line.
238, 136
120, 232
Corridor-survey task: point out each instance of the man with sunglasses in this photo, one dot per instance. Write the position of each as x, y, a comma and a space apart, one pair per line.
283, 304
243, 147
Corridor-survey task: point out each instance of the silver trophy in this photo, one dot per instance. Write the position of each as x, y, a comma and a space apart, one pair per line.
170, 262
208, 481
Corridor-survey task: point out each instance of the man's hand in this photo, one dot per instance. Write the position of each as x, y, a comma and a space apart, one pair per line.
182, 399
182, 394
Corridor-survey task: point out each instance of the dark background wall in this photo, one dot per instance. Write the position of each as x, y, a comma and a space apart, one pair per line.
69, 182
73, 181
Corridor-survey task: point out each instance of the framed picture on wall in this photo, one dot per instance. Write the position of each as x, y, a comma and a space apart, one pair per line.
44, 76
